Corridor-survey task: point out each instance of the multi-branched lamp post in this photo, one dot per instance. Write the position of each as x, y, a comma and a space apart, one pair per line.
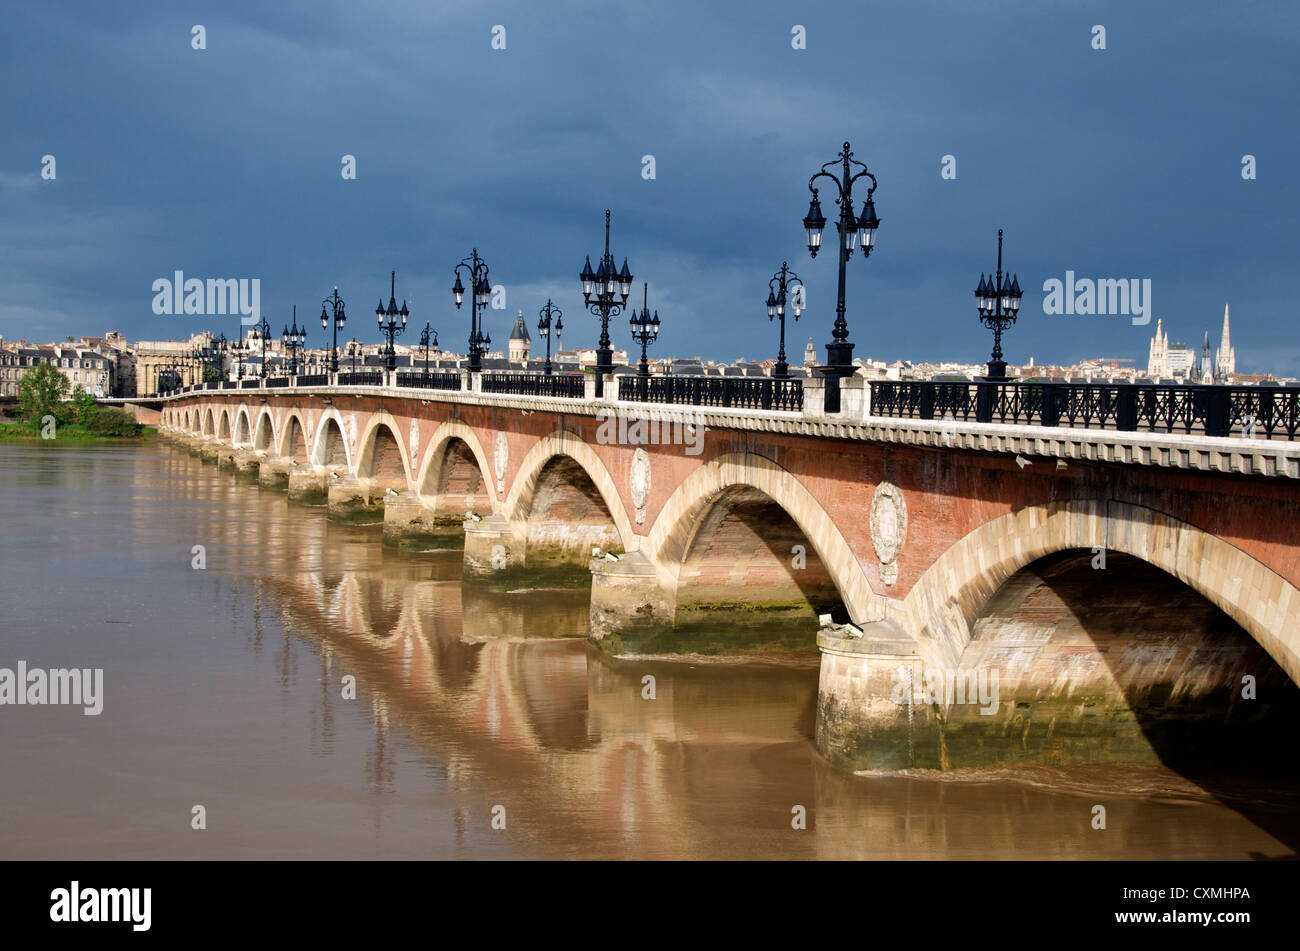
548, 318
428, 338
391, 321
336, 311
354, 347
839, 353
293, 338
476, 270
606, 283
262, 331
644, 329
998, 301
784, 287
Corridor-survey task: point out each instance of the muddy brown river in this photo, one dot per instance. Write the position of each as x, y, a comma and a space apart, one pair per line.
320, 696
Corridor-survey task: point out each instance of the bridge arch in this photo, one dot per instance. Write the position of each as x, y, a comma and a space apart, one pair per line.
330, 447
223, 424
243, 429
264, 435
566, 445
674, 529
381, 454
440, 457
292, 438
949, 596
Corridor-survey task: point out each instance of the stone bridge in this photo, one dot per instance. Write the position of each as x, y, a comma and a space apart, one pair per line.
906, 537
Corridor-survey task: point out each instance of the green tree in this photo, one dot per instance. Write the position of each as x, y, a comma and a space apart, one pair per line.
40, 392
83, 404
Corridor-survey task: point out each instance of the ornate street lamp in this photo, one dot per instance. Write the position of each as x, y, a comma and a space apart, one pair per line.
839, 353
293, 338
262, 331
428, 338
476, 270
606, 283
998, 301
354, 347
340, 317
644, 329
391, 321
544, 322
239, 346
782, 281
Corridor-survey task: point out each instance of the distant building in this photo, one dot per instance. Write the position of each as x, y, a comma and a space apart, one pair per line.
810, 354
520, 344
1225, 358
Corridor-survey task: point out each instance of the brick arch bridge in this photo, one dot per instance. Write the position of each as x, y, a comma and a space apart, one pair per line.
904, 530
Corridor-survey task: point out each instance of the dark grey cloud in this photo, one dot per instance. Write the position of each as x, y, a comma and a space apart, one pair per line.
225, 163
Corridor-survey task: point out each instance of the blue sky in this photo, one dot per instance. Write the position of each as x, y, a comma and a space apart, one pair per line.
225, 162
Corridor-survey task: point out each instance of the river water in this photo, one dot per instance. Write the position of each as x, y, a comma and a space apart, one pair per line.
224, 687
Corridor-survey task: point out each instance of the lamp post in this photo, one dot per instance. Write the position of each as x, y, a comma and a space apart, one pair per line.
545, 316
335, 310
240, 347
428, 337
644, 329
839, 353
605, 283
293, 338
998, 301
782, 281
354, 347
262, 330
391, 321
476, 270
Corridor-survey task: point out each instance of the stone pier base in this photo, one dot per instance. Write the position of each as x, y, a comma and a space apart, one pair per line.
410, 524
273, 473
225, 457
247, 463
625, 595
864, 718
307, 486
350, 500
209, 450
492, 546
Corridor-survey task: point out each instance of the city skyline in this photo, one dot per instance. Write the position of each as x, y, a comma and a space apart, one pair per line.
150, 184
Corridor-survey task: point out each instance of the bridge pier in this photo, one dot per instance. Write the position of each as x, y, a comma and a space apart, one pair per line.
493, 545
307, 486
410, 523
869, 710
273, 473
626, 594
350, 499
247, 463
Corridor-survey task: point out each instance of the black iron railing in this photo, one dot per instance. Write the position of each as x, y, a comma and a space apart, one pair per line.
430, 381
1253, 411
311, 379
362, 378
728, 392
253, 384
229, 384
277, 381
534, 384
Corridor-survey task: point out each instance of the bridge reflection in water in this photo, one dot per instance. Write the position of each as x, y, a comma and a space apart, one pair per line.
500, 692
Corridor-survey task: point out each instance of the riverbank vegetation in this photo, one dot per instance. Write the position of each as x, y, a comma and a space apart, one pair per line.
47, 410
